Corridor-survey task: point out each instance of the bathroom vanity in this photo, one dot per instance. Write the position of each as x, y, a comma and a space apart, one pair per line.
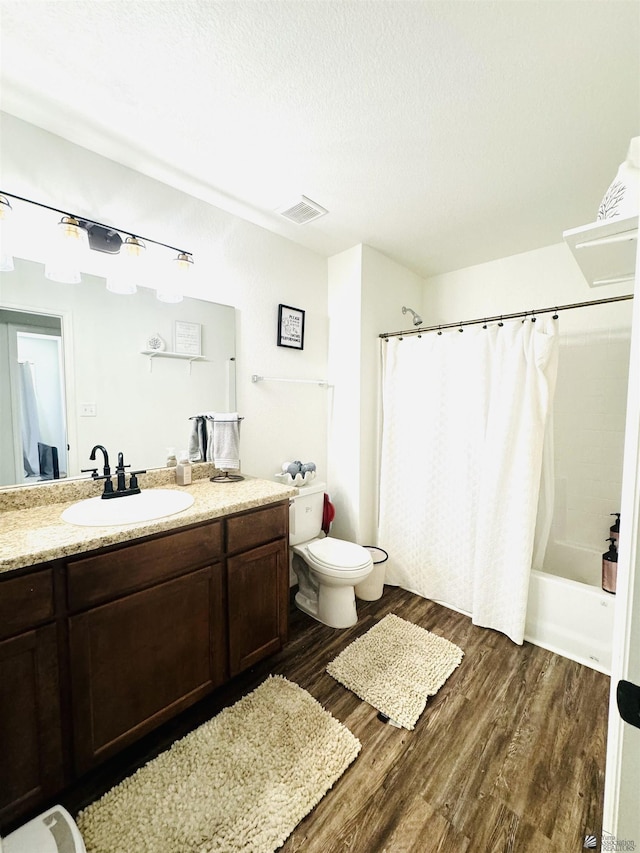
120, 629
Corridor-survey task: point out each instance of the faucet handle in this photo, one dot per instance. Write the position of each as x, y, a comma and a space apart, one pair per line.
133, 482
108, 485
92, 471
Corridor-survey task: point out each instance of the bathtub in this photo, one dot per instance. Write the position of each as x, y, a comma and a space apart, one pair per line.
567, 615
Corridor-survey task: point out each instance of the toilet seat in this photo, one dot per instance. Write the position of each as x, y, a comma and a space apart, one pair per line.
337, 558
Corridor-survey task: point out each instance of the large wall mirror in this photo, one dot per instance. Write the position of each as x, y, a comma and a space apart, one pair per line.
78, 368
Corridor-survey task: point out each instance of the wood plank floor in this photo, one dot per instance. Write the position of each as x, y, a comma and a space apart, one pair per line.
508, 756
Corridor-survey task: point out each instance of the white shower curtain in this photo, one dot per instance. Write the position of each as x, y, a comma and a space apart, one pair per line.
464, 417
29, 421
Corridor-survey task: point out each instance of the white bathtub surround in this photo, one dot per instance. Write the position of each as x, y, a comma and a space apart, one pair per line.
464, 423
572, 619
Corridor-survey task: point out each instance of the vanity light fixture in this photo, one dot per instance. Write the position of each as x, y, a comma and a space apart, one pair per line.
130, 268
67, 252
6, 255
171, 289
76, 234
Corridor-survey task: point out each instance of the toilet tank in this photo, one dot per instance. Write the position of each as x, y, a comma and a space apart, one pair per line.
305, 513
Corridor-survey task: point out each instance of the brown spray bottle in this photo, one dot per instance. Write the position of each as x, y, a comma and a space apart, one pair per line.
610, 567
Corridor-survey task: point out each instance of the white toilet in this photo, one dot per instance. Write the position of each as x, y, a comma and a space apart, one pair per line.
327, 569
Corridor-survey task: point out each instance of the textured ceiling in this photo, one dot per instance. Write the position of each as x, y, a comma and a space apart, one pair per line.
443, 134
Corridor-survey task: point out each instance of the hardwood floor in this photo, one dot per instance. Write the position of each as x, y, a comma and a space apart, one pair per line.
508, 756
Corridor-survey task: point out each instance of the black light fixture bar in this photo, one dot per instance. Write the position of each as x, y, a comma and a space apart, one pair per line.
84, 222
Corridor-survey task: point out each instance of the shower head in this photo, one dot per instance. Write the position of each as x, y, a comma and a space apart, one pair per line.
417, 319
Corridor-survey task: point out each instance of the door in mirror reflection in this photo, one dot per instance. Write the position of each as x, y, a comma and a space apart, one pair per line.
34, 430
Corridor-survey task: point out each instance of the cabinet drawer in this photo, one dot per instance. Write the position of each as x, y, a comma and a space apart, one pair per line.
133, 567
257, 526
25, 602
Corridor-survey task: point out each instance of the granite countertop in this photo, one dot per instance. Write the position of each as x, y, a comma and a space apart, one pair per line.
32, 531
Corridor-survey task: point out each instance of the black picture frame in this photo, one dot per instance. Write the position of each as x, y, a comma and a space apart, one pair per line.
290, 327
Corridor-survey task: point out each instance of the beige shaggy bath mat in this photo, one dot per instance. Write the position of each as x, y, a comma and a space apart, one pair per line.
240, 782
395, 667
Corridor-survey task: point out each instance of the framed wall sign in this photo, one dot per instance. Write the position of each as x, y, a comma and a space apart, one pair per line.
290, 327
187, 338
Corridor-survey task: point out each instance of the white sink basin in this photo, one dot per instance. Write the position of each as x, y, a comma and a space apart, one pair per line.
149, 505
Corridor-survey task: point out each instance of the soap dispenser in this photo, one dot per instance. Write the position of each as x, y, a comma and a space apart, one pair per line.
183, 469
614, 530
610, 567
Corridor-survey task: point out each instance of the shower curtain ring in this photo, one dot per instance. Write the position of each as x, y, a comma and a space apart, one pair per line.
500, 323
461, 329
533, 316
439, 330
555, 316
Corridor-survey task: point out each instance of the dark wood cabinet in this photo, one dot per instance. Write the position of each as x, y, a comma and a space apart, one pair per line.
143, 658
31, 755
99, 649
258, 584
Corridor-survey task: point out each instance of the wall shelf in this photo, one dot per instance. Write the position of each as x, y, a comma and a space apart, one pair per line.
605, 251
155, 353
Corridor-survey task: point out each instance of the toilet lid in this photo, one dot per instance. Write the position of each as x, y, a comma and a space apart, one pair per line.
338, 554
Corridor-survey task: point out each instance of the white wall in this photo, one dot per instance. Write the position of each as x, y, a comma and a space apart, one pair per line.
344, 308
366, 293
237, 263
590, 401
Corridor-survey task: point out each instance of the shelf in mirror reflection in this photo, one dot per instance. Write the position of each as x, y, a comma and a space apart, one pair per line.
153, 354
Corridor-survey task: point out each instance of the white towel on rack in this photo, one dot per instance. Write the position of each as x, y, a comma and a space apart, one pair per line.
226, 440
208, 436
195, 441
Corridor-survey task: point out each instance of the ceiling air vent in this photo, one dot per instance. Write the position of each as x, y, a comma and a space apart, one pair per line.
302, 210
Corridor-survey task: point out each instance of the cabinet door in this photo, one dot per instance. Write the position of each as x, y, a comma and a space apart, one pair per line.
258, 595
31, 767
139, 660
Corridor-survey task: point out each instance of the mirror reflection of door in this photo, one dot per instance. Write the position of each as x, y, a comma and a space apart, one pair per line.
32, 413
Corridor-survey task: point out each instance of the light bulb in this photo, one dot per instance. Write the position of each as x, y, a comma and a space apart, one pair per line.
124, 278
172, 288
68, 253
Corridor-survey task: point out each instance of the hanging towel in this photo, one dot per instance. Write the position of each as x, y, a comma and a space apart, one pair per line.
328, 514
207, 431
195, 441
201, 437
226, 440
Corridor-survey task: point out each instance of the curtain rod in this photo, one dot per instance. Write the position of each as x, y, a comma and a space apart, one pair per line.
501, 317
